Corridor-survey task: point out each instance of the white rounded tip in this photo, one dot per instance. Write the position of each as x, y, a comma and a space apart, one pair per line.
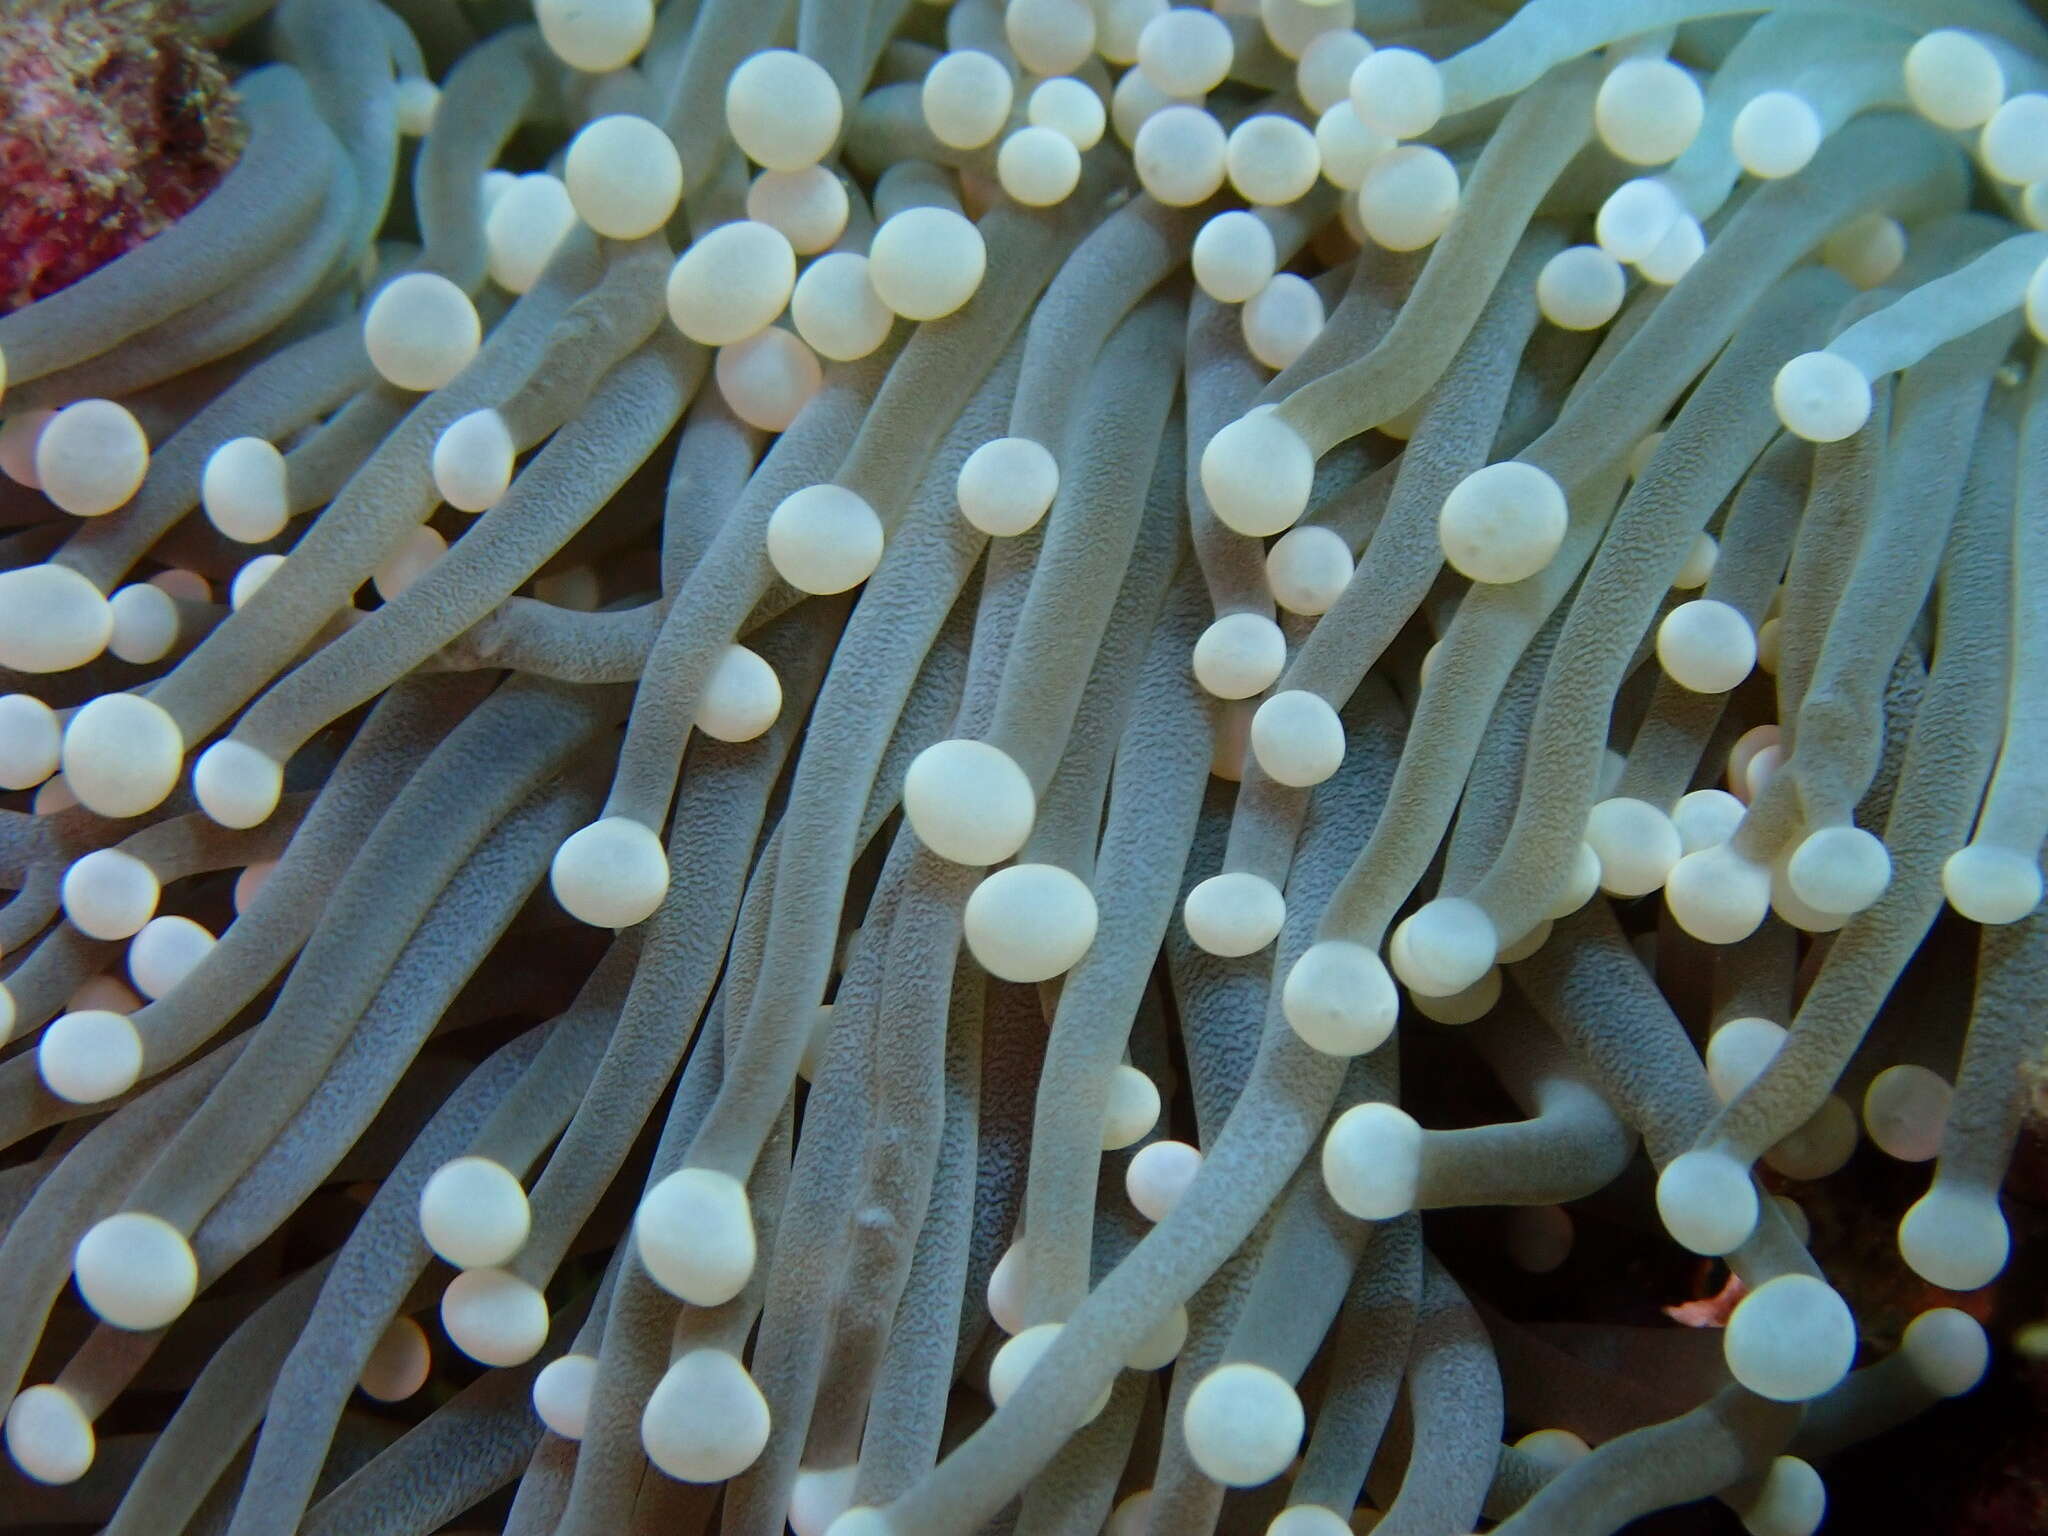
1397, 92
1990, 884
1408, 197
824, 539
1234, 913
926, 262
91, 457
1464, 1006
1006, 1290
1179, 150
768, 379
494, 1317
1372, 1161
1821, 396
472, 461
1707, 1201
1243, 1424
1718, 896
1503, 523
1281, 320
1636, 844
835, 308
90, 1056
1955, 1238
237, 785
695, 1234
1443, 947
1240, 656
810, 206
861, 1521
420, 331
820, 1496
525, 225
1790, 1339
1307, 569
1635, 218
165, 952
783, 109
731, 283
1339, 998
611, 874
31, 741
706, 1420
473, 1213
121, 755
1706, 646
561, 1394
51, 619
1038, 167
1791, 1502
1819, 1147
1131, 1110
1580, 288
1007, 485
1257, 473
968, 801
1706, 818
595, 38
1553, 1449
1159, 1175
1297, 738
50, 1436
966, 97
145, 623
1948, 1350
1308, 1520
1029, 922
1738, 1051
1162, 1346
109, 894
1775, 134
1069, 107
1234, 256
1648, 111
1840, 870
136, 1271
624, 175
742, 696
1016, 1360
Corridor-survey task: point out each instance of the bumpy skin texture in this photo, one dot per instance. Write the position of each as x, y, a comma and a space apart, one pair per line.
115, 120
787, 1085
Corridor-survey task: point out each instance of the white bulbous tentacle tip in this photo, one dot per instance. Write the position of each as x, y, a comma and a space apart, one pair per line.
1953, 80
399, 1362
742, 697
473, 1213
1007, 485
1257, 473
1718, 896
236, 784
1019, 1356
1707, 1201
1635, 218
109, 894
1791, 1501
1775, 134
561, 1394
1503, 523
1791, 1339
1243, 1424
136, 1271
1840, 871
1955, 1236
51, 619
1006, 1289
1029, 922
1636, 845
1235, 913
1372, 1161
1239, 656
472, 461
1339, 998
1990, 884
50, 1436
1465, 1006
494, 1317
420, 331
1398, 92
1821, 396
1948, 1350
1706, 646
695, 1234
819, 1496
1131, 1110
706, 1421
1648, 111
1580, 288
824, 539
1308, 1520
90, 1056
783, 109
610, 874
121, 755
31, 741
91, 457
969, 801
1443, 947
863, 1521
1297, 738
1158, 1175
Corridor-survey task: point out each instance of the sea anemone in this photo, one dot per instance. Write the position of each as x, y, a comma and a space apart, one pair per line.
741, 740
